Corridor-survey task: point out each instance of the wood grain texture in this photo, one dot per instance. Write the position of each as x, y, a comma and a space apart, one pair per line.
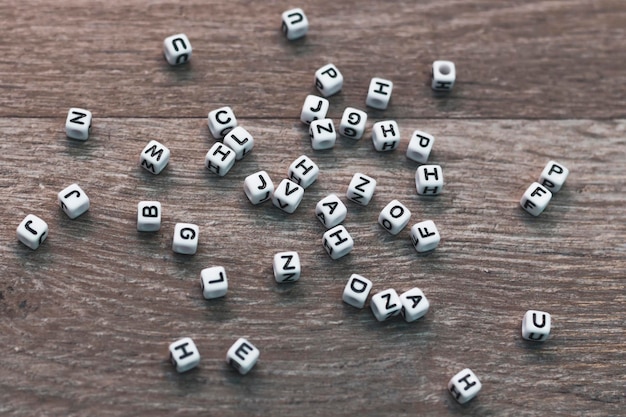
86, 319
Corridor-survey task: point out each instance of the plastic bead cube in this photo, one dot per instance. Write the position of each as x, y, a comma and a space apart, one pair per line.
414, 304
443, 75
361, 189
214, 282
221, 121
464, 386
553, 176
242, 356
331, 211
286, 267
220, 159
385, 135
353, 123
240, 141
385, 304
258, 187
536, 325
322, 133
328, 80
314, 108
429, 179
78, 124
303, 171
357, 290
394, 217
154, 157
379, 93
535, 199
184, 354
177, 49
295, 24
425, 236
148, 216
420, 146
287, 196
185, 239
73, 201
32, 231
337, 242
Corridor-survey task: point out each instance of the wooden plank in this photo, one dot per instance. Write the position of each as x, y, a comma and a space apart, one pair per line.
86, 319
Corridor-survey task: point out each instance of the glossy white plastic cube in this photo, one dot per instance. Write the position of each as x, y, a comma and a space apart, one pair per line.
154, 157
379, 93
221, 121
464, 386
32, 231
288, 196
148, 216
303, 171
535, 199
357, 290
314, 108
240, 141
185, 240
385, 304
294, 24
420, 146
553, 176
361, 189
258, 187
331, 211
394, 217
214, 282
220, 159
385, 135
425, 236
74, 201
536, 325
242, 356
414, 304
286, 267
184, 354
78, 124
328, 80
177, 49
337, 242
353, 123
443, 75
322, 133
429, 180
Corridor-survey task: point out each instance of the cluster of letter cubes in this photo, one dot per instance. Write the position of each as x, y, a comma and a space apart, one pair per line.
242, 355
538, 195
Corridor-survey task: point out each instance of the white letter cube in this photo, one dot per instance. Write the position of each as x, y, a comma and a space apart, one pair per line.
394, 217
221, 121
295, 24
535, 199
78, 124
536, 325
303, 171
219, 159
286, 267
357, 290
214, 282
420, 145
148, 216
328, 80
553, 176
331, 211
337, 242
464, 386
314, 108
361, 189
242, 356
258, 187
177, 49
73, 201
429, 179
353, 123
385, 135
414, 304
32, 231
154, 157
385, 304
443, 75
185, 239
287, 196
425, 236
379, 93
322, 133
240, 141
184, 354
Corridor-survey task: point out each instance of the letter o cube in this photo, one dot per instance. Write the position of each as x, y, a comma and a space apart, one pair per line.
258, 187
394, 217
322, 133
414, 304
385, 135
425, 236
154, 157
353, 123
32, 231
328, 80
331, 211
286, 267
288, 196
214, 282
553, 176
242, 356
73, 201
379, 93
221, 121
148, 216
443, 75
357, 290
535, 199
295, 24
420, 146
314, 108
219, 159
185, 239
184, 354
177, 49
78, 124
337, 242
385, 304
536, 325
464, 386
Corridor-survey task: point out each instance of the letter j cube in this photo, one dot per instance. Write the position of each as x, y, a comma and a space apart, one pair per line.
32, 231
464, 386
242, 356
535, 199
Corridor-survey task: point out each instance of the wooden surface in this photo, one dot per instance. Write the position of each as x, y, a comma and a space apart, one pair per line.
85, 320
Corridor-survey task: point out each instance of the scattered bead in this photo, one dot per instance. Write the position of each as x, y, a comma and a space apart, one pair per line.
287, 196
221, 121
379, 93
242, 356
214, 282
219, 159
337, 242
286, 267
357, 290
322, 134
353, 123
314, 108
295, 24
73, 201
177, 49
394, 217
443, 75
535, 199
361, 189
328, 80
553, 176
331, 211
240, 141
303, 171
414, 304
385, 304
536, 325
464, 386
420, 146
429, 179
425, 236
154, 157
32, 231
385, 135
184, 354
185, 239
258, 187
78, 124
148, 216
